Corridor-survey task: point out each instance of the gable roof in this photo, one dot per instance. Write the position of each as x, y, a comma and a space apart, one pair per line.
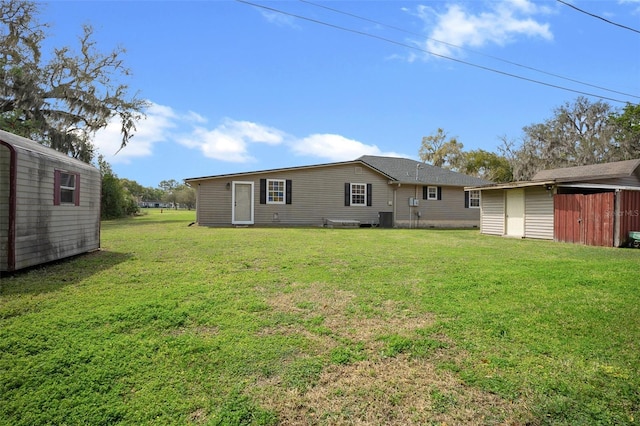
594, 171
404, 170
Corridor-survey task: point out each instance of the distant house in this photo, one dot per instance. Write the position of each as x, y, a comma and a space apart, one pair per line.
49, 204
594, 205
369, 191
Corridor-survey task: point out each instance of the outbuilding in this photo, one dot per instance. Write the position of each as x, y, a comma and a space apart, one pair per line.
593, 205
49, 204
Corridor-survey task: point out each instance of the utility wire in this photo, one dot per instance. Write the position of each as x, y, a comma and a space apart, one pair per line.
429, 52
506, 61
598, 17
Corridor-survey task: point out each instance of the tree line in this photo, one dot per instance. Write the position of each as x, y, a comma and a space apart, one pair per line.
578, 133
122, 197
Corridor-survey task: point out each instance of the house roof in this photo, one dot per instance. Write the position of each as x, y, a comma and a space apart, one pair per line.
400, 170
404, 170
594, 171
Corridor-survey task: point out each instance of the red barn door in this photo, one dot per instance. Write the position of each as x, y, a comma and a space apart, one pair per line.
584, 218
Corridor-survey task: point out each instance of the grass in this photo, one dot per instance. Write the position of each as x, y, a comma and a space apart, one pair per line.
170, 324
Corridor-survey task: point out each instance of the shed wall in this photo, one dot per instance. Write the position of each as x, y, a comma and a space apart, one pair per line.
492, 212
628, 215
44, 231
4, 206
538, 214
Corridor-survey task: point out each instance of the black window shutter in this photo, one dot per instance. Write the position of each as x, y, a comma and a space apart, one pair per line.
425, 193
347, 194
466, 199
263, 191
369, 194
439, 193
288, 191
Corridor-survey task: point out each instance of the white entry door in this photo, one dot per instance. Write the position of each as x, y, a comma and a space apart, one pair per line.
242, 203
515, 212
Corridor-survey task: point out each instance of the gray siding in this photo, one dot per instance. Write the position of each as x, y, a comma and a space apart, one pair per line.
492, 215
538, 213
317, 195
448, 212
4, 206
45, 232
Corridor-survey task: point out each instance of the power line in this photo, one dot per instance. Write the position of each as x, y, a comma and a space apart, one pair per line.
471, 50
598, 17
316, 21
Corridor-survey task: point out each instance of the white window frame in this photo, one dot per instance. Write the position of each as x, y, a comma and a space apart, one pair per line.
271, 194
358, 194
474, 195
67, 189
432, 195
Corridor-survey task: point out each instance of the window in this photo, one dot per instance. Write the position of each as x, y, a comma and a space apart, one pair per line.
275, 191
358, 194
432, 193
474, 199
66, 188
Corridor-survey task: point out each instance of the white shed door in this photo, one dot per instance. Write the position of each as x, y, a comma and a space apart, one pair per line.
242, 203
515, 212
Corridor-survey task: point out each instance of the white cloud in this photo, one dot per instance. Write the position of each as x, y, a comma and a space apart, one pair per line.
230, 140
335, 147
153, 129
503, 23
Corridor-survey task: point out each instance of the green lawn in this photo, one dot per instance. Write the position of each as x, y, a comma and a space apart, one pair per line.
171, 324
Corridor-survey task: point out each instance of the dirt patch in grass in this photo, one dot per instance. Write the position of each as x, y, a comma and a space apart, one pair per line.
391, 391
328, 314
375, 389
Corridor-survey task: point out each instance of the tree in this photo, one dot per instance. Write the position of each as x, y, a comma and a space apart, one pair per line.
439, 151
486, 165
115, 200
63, 102
578, 134
186, 196
169, 187
627, 132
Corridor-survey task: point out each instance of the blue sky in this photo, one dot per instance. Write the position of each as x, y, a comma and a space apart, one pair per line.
234, 87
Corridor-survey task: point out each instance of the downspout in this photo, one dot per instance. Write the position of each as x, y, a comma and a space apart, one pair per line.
13, 179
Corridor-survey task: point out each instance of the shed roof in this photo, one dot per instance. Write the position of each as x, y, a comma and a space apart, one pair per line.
404, 170
594, 171
32, 146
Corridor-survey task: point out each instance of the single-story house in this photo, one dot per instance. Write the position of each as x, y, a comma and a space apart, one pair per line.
368, 191
594, 205
49, 204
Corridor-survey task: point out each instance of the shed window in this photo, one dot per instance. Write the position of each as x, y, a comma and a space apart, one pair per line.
66, 188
